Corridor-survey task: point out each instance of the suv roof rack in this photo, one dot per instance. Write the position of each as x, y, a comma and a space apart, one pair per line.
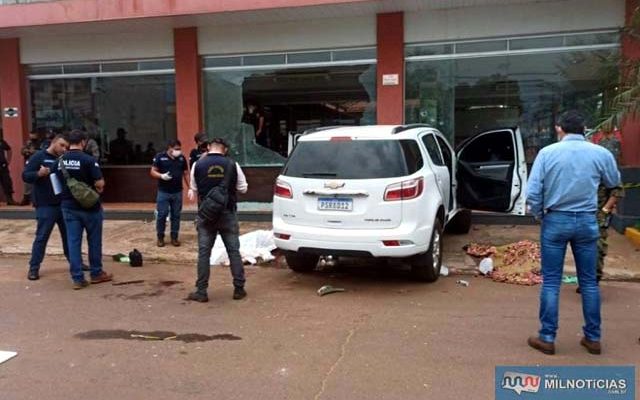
402, 128
322, 128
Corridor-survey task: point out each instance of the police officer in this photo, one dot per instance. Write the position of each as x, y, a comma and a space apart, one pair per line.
201, 148
5, 176
207, 173
77, 219
170, 168
32, 145
47, 203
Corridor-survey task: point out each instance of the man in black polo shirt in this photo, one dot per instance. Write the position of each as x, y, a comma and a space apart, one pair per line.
201, 148
170, 168
47, 203
77, 219
208, 172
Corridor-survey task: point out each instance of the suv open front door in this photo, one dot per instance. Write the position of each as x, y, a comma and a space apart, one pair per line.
492, 172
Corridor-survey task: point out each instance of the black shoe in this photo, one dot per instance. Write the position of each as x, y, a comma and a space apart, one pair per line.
80, 285
199, 297
33, 276
239, 293
85, 267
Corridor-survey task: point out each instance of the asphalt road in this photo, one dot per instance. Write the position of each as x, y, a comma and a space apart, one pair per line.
384, 338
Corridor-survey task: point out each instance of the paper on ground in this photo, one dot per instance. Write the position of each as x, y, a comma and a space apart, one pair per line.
6, 355
253, 246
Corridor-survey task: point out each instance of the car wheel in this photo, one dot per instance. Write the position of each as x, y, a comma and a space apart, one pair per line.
426, 267
301, 262
460, 224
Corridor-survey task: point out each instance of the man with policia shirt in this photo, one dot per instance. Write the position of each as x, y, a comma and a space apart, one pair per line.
84, 169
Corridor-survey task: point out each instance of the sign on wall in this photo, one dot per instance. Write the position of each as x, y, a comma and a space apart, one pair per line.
390, 79
10, 112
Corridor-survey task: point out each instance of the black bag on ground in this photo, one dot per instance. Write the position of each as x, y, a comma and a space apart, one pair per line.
216, 201
135, 258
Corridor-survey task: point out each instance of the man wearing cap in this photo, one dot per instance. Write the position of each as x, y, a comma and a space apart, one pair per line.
207, 173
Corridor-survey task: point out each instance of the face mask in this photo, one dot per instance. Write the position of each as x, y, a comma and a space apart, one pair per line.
176, 153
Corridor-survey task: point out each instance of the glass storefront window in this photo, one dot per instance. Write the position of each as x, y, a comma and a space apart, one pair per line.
277, 103
130, 117
464, 96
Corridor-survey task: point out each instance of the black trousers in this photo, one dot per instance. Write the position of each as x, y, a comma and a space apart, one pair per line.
5, 181
227, 227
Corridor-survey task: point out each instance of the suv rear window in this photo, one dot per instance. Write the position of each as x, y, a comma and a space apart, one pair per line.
356, 159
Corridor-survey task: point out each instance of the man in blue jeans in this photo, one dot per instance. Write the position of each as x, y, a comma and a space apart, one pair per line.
77, 219
47, 203
170, 168
562, 194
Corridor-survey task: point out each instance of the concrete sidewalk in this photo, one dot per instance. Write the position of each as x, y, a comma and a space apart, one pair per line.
16, 236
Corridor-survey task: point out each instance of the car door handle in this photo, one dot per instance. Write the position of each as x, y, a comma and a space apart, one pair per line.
484, 167
351, 193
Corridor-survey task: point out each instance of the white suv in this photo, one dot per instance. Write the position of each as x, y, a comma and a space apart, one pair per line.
389, 191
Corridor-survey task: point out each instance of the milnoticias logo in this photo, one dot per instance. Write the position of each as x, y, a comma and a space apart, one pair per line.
521, 382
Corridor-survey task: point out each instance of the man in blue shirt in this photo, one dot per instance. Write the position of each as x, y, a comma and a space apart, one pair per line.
562, 193
170, 168
47, 204
83, 168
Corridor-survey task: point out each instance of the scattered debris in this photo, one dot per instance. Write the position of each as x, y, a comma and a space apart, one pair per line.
463, 283
571, 280
327, 262
122, 258
444, 271
517, 263
155, 335
7, 355
328, 289
486, 266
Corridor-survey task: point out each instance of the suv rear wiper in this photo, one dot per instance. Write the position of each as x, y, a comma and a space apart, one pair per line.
329, 174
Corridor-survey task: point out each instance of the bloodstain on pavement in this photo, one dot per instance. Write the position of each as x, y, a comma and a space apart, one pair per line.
103, 334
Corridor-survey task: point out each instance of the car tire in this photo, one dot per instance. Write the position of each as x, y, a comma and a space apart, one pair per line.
460, 224
301, 262
426, 267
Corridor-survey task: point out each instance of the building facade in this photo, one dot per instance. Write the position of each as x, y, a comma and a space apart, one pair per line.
137, 73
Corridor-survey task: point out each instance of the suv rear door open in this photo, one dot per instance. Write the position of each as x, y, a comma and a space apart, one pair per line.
492, 173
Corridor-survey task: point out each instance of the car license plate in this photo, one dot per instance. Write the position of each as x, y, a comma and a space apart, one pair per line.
335, 204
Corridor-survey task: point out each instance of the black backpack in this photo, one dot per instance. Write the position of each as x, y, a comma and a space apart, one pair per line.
135, 258
217, 200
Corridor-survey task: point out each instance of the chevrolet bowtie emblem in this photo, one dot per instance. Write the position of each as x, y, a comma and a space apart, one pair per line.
333, 185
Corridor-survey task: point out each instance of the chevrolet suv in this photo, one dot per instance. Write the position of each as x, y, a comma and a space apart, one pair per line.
389, 191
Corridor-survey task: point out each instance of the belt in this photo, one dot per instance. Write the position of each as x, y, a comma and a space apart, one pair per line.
548, 211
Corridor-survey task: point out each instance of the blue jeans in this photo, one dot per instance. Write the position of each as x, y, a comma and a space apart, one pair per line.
581, 230
77, 221
47, 217
168, 202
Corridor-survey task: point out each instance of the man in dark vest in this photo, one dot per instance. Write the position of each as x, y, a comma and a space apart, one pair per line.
207, 173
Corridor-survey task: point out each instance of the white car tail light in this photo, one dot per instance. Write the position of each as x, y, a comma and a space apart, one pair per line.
282, 189
404, 190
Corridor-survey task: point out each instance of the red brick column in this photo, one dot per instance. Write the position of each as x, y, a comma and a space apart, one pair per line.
631, 126
13, 94
188, 86
390, 92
